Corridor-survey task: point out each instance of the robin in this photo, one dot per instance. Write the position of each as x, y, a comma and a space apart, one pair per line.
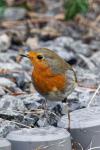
52, 77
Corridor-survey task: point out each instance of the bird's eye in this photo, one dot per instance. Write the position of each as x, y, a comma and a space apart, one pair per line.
40, 57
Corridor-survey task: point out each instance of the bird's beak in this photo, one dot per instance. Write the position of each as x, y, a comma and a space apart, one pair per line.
24, 55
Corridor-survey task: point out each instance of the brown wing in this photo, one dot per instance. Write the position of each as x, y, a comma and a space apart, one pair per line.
71, 79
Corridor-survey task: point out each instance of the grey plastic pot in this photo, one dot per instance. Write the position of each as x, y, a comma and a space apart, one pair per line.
85, 127
48, 138
5, 144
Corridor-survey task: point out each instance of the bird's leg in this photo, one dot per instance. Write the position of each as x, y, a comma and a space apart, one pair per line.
68, 120
45, 104
45, 108
65, 101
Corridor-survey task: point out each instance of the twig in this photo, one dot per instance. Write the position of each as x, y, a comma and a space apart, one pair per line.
20, 124
93, 148
92, 99
88, 62
35, 111
75, 144
14, 122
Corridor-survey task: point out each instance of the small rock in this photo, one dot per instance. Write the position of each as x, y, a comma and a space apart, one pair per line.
30, 120
32, 101
95, 45
32, 43
95, 59
26, 65
79, 47
52, 119
32, 105
12, 103
14, 13
6, 127
11, 115
74, 104
63, 122
73, 31
42, 122
64, 41
2, 92
6, 82
19, 34
8, 56
9, 66
5, 42
57, 109
10, 2
22, 79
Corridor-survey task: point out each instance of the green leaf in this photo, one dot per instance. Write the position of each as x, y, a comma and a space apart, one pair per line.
2, 3
83, 5
2, 8
73, 7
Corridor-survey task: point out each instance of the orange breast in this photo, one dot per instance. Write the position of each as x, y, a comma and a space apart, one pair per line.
45, 81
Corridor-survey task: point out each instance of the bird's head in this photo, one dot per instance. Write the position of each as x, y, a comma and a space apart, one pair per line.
43, 58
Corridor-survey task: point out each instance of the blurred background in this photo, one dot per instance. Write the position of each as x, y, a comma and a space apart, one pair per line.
71, 28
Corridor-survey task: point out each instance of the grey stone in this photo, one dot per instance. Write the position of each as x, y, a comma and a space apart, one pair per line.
2, 92
6, 126
12, 103
48, 138
14, 13
5, 144
5, 42
79, 47
4, 82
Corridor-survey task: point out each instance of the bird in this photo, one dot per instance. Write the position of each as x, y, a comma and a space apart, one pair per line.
52, 76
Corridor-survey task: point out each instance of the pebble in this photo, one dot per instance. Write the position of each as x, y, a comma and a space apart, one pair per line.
7, 126
9, 66
5, 42
2, 92
14, 13
12, 103
32, 43
6, 82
